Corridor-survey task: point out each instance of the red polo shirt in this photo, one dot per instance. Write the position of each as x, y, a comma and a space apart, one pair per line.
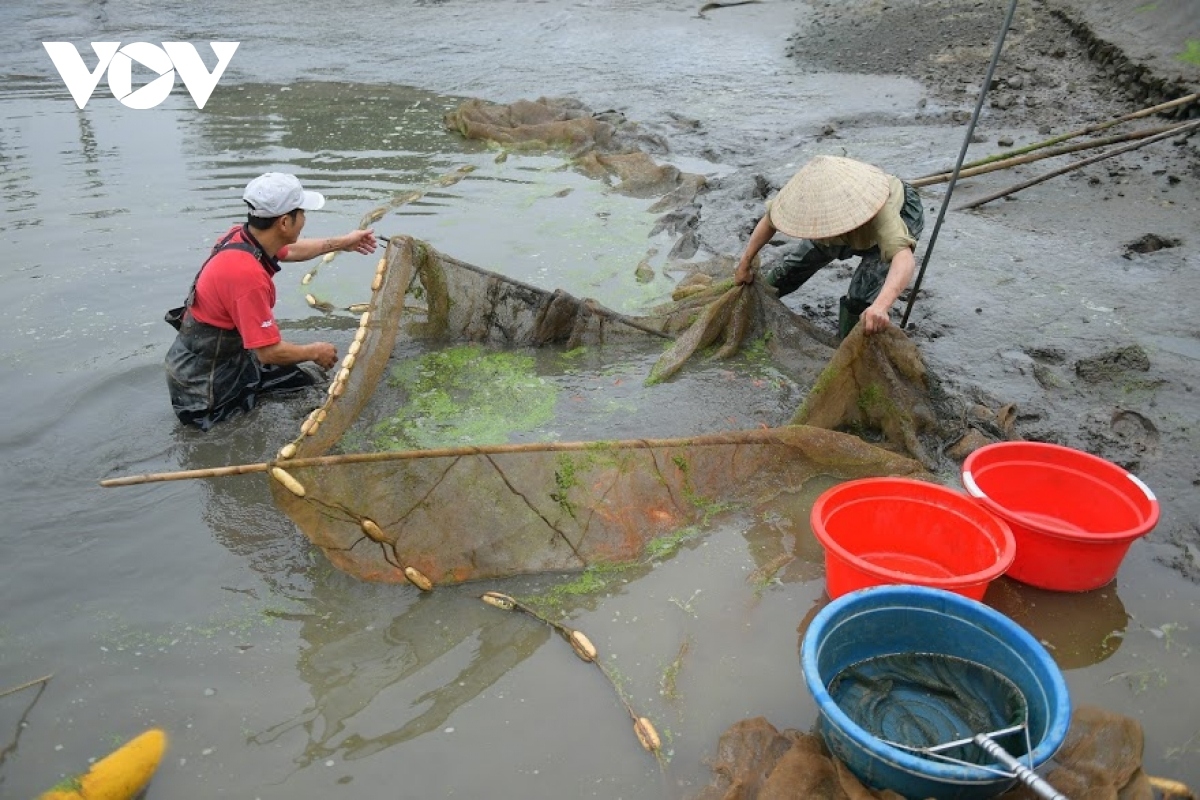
237, 290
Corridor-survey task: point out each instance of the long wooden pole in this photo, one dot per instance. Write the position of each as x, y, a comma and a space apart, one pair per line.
1185, 128
1099, 126
739, 437
1014, 161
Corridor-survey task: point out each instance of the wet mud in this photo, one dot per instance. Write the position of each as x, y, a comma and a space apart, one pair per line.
1058, 301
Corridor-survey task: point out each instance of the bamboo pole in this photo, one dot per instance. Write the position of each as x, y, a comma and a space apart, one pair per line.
1099, 126
1014, 160
1185, 128
26, 685
756, 435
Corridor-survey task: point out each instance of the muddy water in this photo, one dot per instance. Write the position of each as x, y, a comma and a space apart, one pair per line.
198, 608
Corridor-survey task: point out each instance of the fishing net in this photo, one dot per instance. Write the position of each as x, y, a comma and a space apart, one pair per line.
925, 701
603, 146
876, 383
482, 427
539, 124
1101, 759
388, 491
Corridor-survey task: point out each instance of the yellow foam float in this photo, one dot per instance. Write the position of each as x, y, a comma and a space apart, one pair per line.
121, 775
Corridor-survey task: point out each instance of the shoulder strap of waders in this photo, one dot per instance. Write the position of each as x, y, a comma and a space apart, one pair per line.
220, 246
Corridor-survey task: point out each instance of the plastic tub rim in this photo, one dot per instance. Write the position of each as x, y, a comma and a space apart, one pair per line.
1058, 711
1004, 558
1041, 526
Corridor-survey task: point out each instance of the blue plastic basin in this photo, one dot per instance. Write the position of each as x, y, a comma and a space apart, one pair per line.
890, 620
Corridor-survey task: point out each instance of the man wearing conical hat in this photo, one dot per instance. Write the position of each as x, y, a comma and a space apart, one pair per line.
840, 208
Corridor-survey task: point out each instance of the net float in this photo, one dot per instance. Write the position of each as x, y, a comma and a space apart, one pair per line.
291, 484
501, 601
373, 531
417, 579
583, 646
647, 735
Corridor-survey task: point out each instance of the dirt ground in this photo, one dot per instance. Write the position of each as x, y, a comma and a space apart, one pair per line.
1074, 319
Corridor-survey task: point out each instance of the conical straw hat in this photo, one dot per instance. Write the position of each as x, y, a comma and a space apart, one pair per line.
829, 196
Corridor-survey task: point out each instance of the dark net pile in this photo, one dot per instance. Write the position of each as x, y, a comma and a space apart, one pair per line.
919, 701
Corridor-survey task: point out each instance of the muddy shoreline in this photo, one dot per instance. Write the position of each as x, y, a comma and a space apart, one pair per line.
1095, 358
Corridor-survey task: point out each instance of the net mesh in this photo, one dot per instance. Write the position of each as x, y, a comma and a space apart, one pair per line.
924, 700
471, 511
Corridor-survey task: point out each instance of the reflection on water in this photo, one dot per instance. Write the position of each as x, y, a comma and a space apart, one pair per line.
373, 684
781, 538
359, 146
373, 688
27, 701
1078, 628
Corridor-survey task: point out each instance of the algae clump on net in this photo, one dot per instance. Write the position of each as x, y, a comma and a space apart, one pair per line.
466, 394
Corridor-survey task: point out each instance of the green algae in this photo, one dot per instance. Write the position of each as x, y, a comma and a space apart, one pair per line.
707, 508
873, 400
822, 384
593, 580
1191, 53
600, 576
663, 546
68, 785
565, 479
465, 395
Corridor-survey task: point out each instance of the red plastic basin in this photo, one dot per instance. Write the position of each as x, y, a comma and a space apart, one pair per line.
1073, 514
879, 531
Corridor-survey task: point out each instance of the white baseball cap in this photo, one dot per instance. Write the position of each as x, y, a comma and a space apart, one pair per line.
277, 193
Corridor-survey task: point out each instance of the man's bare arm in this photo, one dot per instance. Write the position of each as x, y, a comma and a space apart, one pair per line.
358, 241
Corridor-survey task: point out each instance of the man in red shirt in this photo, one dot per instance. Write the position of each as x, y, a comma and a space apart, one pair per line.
229, 350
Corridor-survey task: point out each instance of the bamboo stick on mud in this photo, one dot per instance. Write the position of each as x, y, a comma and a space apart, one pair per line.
740, 437
1099, 126
1185, 128
1011, 160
